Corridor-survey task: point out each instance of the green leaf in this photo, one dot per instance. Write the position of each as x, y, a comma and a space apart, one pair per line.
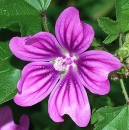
9, 75
113, 118
114, 28
94, 117
26, 13
40, 5
46, 3
14, 27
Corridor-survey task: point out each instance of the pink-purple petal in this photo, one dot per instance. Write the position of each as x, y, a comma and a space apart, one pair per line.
6, 119
74, 35
36, 82
24, 123
7, 123
69, 97
41, 47
93, 68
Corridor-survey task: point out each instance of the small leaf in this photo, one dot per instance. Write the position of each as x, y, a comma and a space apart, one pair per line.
111, 38
121, 25
45, 4
40, 5
94, 117
113, 118
9, 75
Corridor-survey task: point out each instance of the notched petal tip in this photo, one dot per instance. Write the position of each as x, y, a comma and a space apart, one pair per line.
43, 46
94, 67
7, 123
69, 97
75, 36
24, 122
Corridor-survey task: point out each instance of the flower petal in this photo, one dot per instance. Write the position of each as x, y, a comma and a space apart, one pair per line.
69, 97
24, 123
41, 47
6, 119
94, 67
36, 82
74, 35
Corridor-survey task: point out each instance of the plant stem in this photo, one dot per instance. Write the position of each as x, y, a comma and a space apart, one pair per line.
124, 91
120, 40
121, 80
45, 21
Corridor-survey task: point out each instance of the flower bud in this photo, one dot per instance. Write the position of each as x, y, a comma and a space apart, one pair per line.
123, 52
127, 60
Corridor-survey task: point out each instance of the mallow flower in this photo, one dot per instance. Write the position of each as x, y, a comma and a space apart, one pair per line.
61, 66
7, 123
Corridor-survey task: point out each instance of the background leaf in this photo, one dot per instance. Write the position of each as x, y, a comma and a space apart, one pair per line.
121, 25
9, 74
45, 3
113, 118
40, 5
21, 12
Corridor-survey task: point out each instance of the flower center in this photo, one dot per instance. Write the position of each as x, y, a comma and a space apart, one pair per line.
62, 64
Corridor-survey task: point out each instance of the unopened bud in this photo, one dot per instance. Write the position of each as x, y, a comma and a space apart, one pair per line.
127, 60
123, 52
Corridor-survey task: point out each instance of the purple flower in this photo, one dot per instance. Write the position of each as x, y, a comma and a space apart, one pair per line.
61, 67
7, 123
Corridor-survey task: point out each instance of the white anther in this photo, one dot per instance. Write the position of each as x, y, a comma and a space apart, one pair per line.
59, 64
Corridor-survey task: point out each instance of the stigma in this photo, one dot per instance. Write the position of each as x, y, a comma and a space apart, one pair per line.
62, 64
